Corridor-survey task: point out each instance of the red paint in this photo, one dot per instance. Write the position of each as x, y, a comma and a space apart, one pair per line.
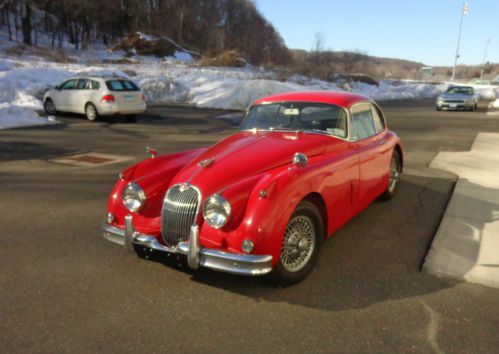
347, 175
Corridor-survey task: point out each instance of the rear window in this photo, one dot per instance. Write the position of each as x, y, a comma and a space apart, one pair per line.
121, 85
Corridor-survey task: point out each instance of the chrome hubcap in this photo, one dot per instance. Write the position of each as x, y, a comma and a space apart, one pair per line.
91, 112
394, 173
298, 244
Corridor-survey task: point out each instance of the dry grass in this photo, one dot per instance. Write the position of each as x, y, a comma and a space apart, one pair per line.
229, 58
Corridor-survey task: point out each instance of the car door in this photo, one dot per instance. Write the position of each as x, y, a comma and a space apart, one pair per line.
369, 134
64, 95
80, 96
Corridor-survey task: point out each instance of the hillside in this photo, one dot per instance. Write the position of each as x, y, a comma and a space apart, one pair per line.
209, 27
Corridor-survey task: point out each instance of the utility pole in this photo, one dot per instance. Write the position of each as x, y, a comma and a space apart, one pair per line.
464, 12
484, 58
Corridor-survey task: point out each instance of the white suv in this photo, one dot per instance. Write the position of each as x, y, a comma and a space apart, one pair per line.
95, 96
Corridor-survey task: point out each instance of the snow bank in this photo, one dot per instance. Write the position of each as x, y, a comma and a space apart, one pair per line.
23, 83
235, 94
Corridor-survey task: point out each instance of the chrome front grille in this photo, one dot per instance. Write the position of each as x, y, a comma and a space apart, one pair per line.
180, 208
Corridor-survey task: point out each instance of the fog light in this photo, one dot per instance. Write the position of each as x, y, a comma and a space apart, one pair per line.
247, 246
110, 218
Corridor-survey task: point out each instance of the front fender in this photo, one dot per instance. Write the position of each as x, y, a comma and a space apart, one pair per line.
269, 207
153, 176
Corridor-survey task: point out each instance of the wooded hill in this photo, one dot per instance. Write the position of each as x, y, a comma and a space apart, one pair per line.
205, 26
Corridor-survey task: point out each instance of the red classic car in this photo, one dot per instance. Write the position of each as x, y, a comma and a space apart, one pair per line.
263, 199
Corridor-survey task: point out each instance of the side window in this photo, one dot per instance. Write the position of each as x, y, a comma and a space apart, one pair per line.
362, 119
95, 85
379, 123
82, 84
68, 85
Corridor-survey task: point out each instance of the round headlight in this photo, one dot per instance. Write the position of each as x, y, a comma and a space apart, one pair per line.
134, 197
216, 211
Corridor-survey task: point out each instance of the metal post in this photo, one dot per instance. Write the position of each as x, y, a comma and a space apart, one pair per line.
484, 59
458, 42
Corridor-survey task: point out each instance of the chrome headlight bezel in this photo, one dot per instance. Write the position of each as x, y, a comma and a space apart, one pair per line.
217, 211
133, 197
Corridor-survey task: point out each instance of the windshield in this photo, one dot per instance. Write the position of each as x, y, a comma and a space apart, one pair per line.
461, 90
324, 118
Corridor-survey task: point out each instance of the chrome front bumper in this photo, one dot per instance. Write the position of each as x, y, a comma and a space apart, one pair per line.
243, 264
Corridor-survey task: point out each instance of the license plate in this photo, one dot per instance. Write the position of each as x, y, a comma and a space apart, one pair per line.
129, 98
453, 105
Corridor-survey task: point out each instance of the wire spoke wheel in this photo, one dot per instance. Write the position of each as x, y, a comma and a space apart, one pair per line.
299, 243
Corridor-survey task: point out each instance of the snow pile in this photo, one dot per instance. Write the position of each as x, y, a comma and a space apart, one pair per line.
23, 82
235, 93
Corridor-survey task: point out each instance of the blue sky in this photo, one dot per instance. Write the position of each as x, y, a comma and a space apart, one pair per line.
421, 30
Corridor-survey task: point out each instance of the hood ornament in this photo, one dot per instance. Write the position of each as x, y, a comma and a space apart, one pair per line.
152, 151
184, 186
206, 163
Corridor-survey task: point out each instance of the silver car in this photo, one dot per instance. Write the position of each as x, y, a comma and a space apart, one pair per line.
458, 98
95, 96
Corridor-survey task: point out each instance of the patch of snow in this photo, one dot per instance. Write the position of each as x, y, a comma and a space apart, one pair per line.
183, 57
14, 116
147, 37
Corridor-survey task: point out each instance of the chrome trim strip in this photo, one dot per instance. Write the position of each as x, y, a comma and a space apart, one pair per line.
241, 264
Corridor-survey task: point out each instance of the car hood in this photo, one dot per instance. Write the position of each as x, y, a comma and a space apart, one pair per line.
247, 154
455, 96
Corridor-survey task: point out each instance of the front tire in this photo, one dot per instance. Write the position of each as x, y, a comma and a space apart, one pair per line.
91, 112
301, 243
49, 107
395, 171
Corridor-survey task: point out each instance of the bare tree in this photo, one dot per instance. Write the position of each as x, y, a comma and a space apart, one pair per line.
318, 48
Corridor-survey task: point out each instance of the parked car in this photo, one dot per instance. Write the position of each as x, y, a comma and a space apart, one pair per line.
95, 96
263, 199
458, 97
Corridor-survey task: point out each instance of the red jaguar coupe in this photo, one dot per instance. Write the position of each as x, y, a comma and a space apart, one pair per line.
263, 199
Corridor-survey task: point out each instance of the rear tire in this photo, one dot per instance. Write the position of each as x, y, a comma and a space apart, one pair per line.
91, 112
395, 171
49, 107
300, 247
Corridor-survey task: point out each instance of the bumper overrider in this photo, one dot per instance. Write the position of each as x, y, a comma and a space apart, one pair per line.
197, 256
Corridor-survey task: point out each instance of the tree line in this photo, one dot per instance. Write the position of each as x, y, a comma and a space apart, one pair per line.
206, 26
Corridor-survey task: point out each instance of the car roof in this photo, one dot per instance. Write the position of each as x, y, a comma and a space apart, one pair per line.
97, 77
342, 99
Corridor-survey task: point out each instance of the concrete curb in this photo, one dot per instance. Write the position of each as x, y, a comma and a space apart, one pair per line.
466, 245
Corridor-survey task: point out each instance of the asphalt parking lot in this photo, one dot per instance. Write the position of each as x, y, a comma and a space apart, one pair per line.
65, 289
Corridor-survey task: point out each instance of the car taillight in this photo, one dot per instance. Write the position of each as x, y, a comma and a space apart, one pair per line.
107, 98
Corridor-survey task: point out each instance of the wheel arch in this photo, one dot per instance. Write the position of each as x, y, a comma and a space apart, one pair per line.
398, 148
319, 202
